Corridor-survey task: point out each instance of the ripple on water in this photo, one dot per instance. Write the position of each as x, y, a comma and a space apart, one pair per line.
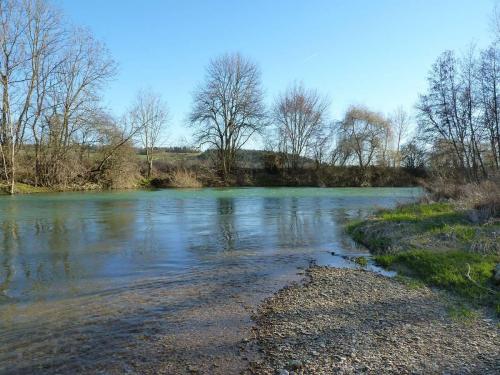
149, 281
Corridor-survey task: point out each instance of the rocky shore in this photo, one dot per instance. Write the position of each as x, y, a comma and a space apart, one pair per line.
342, 321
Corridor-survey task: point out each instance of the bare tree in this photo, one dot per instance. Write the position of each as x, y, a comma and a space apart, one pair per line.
385, 154
340, 152
112, 137
300, 118
362, 134
449, 111
412, 155
228, 108
28, 34
488, 75
400, 121
72, 104
495, 22
321, 145
150, 113
50, 78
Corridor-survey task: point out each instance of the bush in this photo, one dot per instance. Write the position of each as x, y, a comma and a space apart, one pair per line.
182, 178
484, 197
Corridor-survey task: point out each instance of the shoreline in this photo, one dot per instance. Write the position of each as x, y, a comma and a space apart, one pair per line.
29, 189
356, 321
350, 321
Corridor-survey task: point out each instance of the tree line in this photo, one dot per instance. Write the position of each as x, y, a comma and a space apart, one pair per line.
54, 130
459, 113
457, 120
228, 110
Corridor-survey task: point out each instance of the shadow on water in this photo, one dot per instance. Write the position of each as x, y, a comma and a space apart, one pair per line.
138, 281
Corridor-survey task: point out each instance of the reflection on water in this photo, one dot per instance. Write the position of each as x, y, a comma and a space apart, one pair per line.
86, 277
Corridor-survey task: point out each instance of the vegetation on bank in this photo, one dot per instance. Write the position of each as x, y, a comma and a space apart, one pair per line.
196, 170
56, 133
468, 275
326, 176
451, 245
21, 188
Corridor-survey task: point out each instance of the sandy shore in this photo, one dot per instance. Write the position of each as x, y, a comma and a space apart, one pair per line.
353, 321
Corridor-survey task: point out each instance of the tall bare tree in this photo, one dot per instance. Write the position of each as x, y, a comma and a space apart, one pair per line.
488, 75
362, 135
412, 155
50, 76
449, 112
300, 118
400, 121
29, 34
150, 113
228, 108
73, 104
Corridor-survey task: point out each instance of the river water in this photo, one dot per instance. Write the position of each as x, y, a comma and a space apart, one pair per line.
159, 281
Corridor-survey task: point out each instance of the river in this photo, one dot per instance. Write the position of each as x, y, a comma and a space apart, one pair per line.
160, 281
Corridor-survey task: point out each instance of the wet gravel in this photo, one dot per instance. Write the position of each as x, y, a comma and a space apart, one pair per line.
343, 321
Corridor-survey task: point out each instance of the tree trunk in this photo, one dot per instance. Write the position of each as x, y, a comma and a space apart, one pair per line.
150, 167
12, 169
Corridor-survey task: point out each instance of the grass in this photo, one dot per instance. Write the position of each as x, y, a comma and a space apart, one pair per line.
425, 216
435, 244
182, 178
436, 226
464, 233
462, 313
448, 270
24, 189
417, 212
361, 261
172, 157
409, 281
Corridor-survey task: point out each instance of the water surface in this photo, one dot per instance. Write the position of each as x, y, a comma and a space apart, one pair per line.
147, 281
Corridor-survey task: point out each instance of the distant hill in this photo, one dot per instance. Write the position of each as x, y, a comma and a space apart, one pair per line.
251, 158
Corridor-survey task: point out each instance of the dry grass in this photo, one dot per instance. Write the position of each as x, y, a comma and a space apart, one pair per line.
182, 178
482, 198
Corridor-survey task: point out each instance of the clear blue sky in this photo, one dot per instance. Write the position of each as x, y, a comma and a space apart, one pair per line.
375, 53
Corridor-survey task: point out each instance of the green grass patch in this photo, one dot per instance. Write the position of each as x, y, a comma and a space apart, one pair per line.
356, 231
461, 232
24, 189
425, 217
353, 225
417, 212
448, 270
362, 261
462, 313
433, 245
410, 282
436, 226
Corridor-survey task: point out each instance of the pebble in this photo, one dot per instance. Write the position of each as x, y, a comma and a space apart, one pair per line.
371, 324
295, 364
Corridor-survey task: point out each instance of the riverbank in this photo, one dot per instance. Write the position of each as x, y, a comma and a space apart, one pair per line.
201, 175
22, 188
353, 321
438, 315
440, 245
323, 176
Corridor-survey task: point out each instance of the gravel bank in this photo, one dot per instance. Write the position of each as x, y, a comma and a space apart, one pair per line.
352, 321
